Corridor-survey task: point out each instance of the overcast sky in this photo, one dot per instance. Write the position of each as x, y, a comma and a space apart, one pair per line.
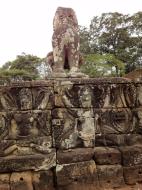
26, 25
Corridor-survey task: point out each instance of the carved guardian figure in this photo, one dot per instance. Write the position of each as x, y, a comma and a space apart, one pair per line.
65, 41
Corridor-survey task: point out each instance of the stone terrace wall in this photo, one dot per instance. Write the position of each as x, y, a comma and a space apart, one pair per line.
79, 134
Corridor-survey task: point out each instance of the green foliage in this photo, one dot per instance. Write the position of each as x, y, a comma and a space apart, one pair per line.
115, 34
13, 72
25, 66
84, 39
16, 74
97, 65
26, 62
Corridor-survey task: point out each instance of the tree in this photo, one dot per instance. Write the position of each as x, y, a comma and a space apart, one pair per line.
111, 35
84, 39
26, 62
116, 34
24, 65
102, 65
135, 31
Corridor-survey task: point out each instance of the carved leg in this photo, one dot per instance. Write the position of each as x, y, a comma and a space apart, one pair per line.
73, 58
59, 57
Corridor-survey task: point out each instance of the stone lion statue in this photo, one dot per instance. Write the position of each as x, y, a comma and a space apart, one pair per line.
65, 41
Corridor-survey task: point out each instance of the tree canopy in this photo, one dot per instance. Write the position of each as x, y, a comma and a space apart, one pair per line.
25, 66
116, 36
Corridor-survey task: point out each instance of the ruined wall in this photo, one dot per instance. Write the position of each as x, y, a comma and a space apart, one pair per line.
70, 134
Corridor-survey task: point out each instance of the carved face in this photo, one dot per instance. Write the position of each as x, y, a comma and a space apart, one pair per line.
64, 17
86, 97
25, 98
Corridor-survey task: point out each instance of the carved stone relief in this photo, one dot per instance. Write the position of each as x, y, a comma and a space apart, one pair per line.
43, 98
83, 124
29, 124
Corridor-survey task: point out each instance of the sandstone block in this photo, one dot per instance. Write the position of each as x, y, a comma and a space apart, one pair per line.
138, 119
114, 121
43, 98
117, 139
81, 186
73, 128
107, 155
27, 96
4, 187
133, 174
74, 155
73, 96
25, 124
109, 140
110, 176
101, 95
131, 155
35, 162
81, 172
43, 180
139, 95
14, 98
21, 181
4, 181
114, 95
42, 145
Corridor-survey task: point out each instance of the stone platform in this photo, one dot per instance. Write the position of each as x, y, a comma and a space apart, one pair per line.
79, 134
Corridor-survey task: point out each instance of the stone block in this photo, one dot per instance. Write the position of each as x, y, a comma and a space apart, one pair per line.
42, 145
132, 139
43, 97
28, 96
63, 113
133, 174
35, 162
104, 156
25, 124
109, 140
5, 187
4, 125
7, 147
79, 173
117, 139
16, 98
74, 155
21, 181
5, 181
139, 95
73, 128
71, 95
101, 95
131, 155
80, 186
43, 180
114, 95
110, 176
138, 119
114, 121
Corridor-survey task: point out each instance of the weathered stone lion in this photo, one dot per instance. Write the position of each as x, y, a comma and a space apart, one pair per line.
65, 41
